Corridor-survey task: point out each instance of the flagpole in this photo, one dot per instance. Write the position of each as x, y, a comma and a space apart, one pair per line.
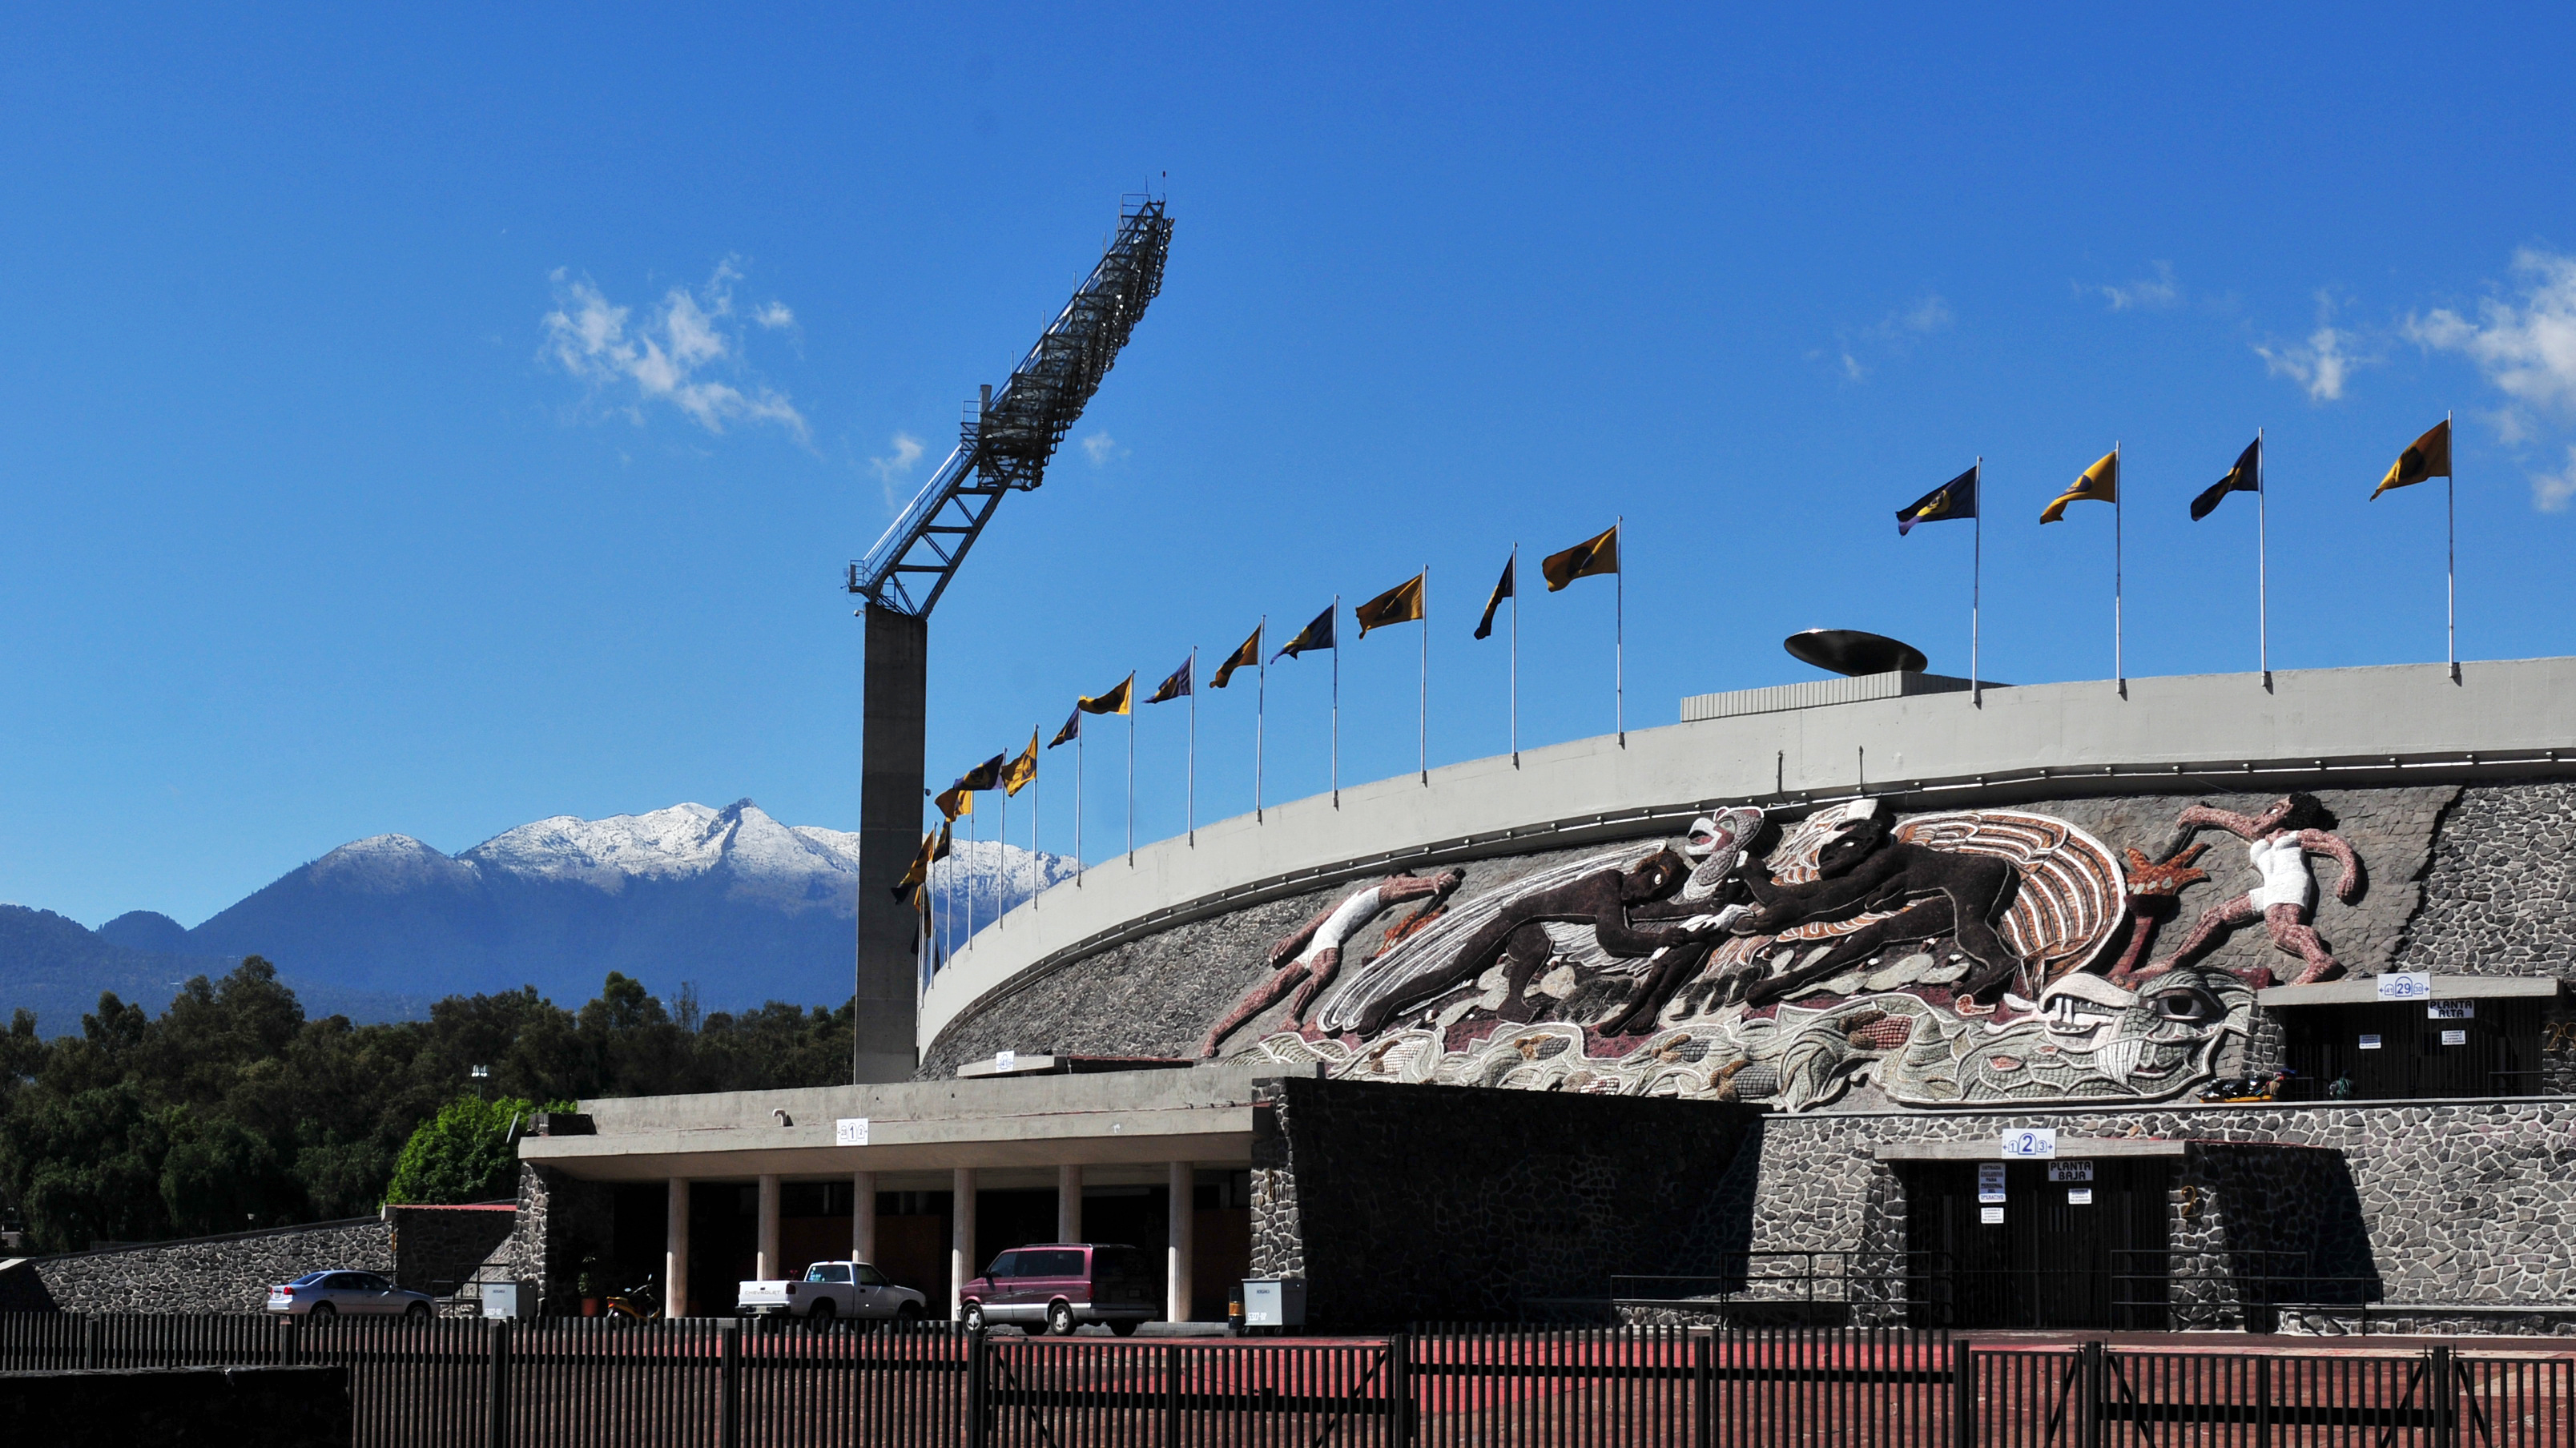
2451, 552
1260, 706
2119, 511
1425, 757
1619, 636
1977, 588
970, 869
1131, 771
1001, 836
1035, 878
1081, 866
1337, 701
1515, 704
2262, 563
1192, 789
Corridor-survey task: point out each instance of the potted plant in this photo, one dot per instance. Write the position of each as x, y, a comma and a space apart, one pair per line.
587, 1287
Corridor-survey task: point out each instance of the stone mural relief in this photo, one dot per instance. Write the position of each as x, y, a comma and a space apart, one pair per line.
1970, 957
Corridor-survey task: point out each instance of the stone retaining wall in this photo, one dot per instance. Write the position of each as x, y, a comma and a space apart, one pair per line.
230, 1273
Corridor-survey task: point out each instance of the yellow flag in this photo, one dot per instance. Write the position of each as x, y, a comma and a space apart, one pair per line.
1400, 604
1113, 702
2429, 457
1586, 559
1023, 769
2099, 484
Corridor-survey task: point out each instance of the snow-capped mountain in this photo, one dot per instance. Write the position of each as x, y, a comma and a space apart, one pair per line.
748, 908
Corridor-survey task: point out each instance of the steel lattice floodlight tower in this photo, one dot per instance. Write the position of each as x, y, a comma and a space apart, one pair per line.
1008, 437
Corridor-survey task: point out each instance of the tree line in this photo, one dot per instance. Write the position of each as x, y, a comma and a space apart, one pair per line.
233, 1111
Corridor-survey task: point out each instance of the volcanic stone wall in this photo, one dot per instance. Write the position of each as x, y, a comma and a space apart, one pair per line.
1459, 1204
2434, 1205
230, 1273
2500, 898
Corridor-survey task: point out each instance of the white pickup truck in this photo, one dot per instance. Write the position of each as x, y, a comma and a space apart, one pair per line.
832, 1289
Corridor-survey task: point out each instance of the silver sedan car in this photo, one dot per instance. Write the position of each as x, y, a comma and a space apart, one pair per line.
327, 1294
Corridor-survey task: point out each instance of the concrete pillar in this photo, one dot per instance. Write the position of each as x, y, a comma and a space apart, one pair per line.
1068, 1203
769, 1266
675, 1251
1176, 1294
961, 1236
863, 1215
895, 683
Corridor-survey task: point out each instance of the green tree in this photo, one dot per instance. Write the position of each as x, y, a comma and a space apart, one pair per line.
466, 1153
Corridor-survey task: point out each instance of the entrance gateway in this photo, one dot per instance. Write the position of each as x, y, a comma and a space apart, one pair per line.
2077, 1241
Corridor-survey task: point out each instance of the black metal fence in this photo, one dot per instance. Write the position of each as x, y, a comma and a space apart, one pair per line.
572, 1384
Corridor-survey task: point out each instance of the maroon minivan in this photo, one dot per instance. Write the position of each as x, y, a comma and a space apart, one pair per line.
1056, 1286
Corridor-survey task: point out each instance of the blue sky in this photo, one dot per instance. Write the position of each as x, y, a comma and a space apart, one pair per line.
318, 528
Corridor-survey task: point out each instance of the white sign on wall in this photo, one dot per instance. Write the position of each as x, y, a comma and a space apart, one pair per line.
2079, 1196
1991, 1216
2455, 1038
2036, 1143
2070, 1171
2405, 985
850, 1131
1990, 1181
2369, 1043
2450, 1010
1006, 1061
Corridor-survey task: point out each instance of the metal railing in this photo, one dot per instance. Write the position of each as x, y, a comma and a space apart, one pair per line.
706, 1384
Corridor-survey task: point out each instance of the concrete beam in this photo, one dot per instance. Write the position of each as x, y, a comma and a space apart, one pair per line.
2068, 1149
2195, 733
2365, 991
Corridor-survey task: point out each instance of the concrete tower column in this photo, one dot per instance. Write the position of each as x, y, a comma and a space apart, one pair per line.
675, 1251
1184, 1238
961, 1235
768, 1266
863, 1215
895, 687
1068, 1203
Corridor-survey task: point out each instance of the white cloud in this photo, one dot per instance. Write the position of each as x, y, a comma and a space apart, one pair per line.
2525, 346
1893, 335
1100, 447
774, 316
663, 357
2551, 492
2148, 294
895, 467
2321, 363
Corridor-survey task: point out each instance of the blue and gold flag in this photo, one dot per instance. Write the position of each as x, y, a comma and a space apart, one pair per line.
1952, 500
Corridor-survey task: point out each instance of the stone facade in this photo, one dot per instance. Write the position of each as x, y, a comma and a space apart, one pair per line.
561, 1223
1156, 996
229, 1273
2500, 898
1401, 1203
2437, 1204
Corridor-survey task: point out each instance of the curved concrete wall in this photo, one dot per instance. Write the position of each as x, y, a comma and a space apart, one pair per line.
2213, 731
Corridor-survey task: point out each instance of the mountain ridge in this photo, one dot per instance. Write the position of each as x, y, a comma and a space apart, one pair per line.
744, 906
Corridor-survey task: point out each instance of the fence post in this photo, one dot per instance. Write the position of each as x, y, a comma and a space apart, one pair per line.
729, 1387
2438, 1397
2091, 1437
496, 1429
1963, 1398
1171, 1397
288, 1353
1704, 1388
89, 1340
1399, 1384
978, 1385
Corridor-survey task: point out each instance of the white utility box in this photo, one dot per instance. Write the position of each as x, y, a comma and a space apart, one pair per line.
1274, 1302
516, 1301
